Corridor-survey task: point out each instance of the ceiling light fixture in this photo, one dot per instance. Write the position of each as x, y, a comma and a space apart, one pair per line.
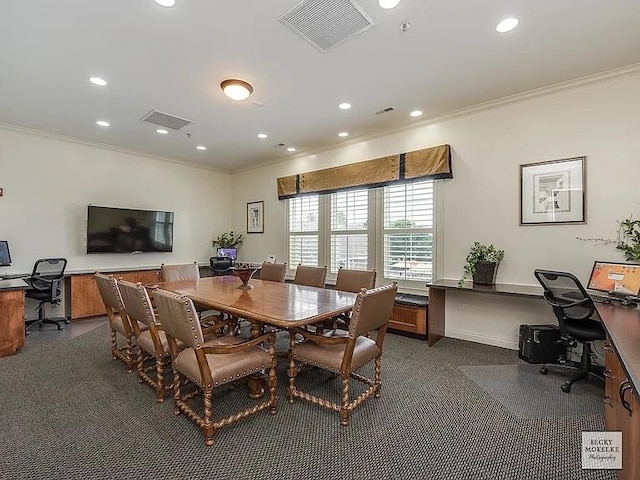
291, 149
201, 147
416, 113
101, 82
507, 25
103, 123
343, 134
344, 106
165, 3
236, 89
262, 135
387, 4
162, 131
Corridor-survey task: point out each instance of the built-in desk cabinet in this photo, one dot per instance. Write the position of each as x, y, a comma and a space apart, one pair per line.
84, 299
11, 319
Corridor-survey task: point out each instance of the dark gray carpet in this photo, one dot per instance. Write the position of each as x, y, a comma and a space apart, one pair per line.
528, 394
70, 412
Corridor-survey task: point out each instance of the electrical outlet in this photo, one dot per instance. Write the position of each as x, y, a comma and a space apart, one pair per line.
463, 306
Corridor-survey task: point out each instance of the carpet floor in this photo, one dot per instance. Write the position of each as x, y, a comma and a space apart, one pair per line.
70, 412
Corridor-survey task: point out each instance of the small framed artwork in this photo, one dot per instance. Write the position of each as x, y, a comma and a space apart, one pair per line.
255, 217
553, 192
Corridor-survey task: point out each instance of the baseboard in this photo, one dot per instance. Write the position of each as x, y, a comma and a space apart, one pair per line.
484, 339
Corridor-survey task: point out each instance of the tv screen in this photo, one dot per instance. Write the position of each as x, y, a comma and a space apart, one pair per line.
5, 255
124, 230
227, 252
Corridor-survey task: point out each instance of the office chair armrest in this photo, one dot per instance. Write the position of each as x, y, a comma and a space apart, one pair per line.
550, 301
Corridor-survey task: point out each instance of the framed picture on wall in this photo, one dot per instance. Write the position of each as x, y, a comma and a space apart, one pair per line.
255, 217
553, 192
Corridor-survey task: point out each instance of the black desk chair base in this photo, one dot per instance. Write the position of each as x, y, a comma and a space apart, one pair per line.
42, 320
582, 370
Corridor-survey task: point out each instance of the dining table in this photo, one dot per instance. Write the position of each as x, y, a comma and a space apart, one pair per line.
278, 304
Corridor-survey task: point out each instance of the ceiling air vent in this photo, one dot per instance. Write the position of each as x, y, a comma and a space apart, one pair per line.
165, 120
384, 110
325, 24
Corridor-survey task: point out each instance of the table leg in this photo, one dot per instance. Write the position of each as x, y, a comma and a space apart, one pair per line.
255, 383
436, 321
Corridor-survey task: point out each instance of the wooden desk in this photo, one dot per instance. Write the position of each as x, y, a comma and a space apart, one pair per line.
11, 316
437, 297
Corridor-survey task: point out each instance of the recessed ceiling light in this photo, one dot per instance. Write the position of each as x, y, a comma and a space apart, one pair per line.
507, 25
165, 3
201, 147
344, 106
387, 4
103, 123
416, 113
236, 89
162, 131
98, 81
291, 149
343, 134
262, 135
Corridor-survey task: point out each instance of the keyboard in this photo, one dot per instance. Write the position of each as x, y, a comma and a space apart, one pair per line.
13, 276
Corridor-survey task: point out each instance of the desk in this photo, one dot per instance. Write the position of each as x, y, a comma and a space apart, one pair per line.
282, 305
437, 297
11, 316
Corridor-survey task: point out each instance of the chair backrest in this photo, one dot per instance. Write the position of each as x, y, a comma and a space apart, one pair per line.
47, 274
179, 318
176, 273
273, 272
566, 295
372, 309
310, 276
137, 303
220, 266
355, 280
110, 293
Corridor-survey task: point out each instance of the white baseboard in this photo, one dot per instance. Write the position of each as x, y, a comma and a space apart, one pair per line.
484, 339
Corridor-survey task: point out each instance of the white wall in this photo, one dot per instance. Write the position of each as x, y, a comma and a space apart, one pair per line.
600, 120
49, 181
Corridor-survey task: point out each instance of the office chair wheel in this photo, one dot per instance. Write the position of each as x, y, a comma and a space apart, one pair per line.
565, 387
66, 321
544, 370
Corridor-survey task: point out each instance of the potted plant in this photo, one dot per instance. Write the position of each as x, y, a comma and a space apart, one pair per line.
629, 239
227, 240
482, 264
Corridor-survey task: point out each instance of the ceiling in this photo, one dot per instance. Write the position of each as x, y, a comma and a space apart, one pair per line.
173, 60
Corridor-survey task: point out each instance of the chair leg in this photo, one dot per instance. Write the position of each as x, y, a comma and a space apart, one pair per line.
344, 406
114, 345
583, 371
273, 399
377, 378
160, 388
207, 426
291, 372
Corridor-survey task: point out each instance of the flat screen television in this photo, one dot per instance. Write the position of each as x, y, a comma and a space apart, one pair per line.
5, 255
125, 230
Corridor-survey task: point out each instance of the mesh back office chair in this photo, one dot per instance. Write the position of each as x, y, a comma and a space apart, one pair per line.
45, 287
577, 318
221, 266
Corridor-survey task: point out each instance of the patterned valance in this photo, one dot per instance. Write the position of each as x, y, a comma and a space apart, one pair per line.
434, 163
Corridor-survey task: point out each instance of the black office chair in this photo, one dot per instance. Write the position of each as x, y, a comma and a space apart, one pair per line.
578, 320
45, 287
221, 266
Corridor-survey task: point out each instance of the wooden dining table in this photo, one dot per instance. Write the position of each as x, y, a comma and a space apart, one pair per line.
282, 305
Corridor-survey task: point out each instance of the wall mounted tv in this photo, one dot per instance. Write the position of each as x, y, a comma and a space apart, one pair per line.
124, 230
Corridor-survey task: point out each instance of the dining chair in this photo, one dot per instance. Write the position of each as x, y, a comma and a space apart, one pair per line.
344, 354
206, 364
179, 272
310, 276
273, 272
119, 322
351, 281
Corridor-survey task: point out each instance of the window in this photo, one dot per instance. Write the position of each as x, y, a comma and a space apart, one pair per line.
303, 230
390, 229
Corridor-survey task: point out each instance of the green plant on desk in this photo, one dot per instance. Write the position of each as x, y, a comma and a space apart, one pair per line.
629, 238
478, 254
227, 240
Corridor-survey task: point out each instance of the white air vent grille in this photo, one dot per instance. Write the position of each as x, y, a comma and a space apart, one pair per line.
165, 120
325, 24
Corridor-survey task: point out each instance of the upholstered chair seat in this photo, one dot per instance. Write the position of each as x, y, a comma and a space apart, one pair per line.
118, 325
226, 367
329, 357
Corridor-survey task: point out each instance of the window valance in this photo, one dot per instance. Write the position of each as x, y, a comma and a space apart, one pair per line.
428, 163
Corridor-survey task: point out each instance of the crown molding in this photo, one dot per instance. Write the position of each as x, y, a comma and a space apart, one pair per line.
106, 146
601, 77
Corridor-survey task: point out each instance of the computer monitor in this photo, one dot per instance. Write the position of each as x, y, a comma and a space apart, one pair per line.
5, 255
615, 277
231, 253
